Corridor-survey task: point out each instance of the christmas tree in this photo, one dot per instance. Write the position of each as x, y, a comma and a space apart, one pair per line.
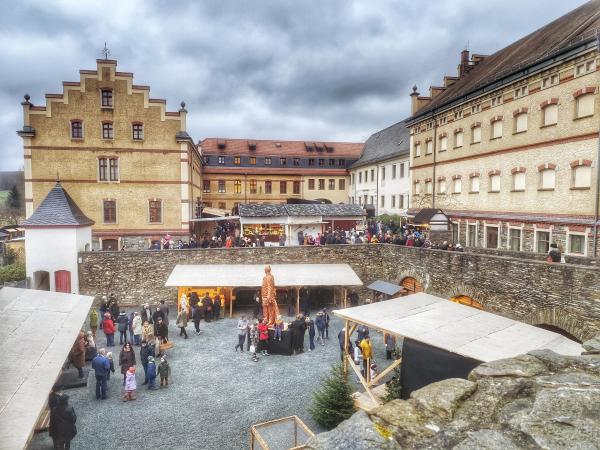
394, 386
333, 402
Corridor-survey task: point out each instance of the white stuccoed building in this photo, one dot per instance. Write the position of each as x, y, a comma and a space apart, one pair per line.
380, 179
54, 235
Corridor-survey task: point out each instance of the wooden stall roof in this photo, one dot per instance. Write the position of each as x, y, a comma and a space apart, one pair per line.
40, 329
251, 275
457, 328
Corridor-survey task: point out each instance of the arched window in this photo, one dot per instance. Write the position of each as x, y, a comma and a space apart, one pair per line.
412, 285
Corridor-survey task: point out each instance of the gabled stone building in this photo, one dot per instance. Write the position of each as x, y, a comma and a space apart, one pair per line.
127, 162
509, 147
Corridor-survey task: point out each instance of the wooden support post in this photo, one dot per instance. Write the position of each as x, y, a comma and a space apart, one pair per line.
362, 381
345, 297
346, 340
388, 369
231, 303
297, 300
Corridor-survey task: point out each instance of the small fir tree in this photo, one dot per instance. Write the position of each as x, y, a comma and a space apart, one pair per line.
14, 198
394, 386
333, 402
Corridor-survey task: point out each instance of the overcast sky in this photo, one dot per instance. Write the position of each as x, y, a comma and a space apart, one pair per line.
302, 69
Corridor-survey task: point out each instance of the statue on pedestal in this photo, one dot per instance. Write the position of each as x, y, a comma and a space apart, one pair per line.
268, 293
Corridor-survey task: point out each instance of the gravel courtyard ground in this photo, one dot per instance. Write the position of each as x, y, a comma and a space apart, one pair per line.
215, 396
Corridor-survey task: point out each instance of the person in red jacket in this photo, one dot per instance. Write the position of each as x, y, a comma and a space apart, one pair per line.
108, 326
263, 337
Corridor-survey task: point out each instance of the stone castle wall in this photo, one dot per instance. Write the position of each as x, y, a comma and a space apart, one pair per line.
563, 295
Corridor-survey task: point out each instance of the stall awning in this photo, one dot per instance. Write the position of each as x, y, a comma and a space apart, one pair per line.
457, 328
385, 287
215, 219
42, 327
251, 275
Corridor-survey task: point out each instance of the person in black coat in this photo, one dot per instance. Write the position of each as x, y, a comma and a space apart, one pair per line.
114, 309
157, 314
62, 423
207, 306
162, 331
217, 307
298, 327
146, 351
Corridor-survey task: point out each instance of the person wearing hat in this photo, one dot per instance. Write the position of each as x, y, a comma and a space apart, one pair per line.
164, 370
108, 326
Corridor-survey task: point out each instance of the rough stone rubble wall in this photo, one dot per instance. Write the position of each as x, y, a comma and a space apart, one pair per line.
564, 295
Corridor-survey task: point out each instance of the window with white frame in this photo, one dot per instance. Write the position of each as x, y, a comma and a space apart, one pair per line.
547, 179
476, 134
107, 130
458, 114
383, 173
584, 106
441, 186
417, 188
393, 197
550, 115
443, 143
76, 129
458, 139
494, 182
496, 101
521, 91
550, 80
576, 243
474, 184
521, 123
491, 237
429, 147
514, 239
393, 171
382, 201
542, 241
443, 120
402, 170
582, 176
155, 211
417, 149
496, 131
472, 235
428, 187
456, 186
585, 67
476, 108
519, 181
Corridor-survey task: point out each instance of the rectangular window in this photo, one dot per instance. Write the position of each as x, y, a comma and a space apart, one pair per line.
550, 80
321, 162
222, 205
521, 92
267, 161
107, 130
311, 184
542, 239
371, 202
113, 169
458, 139
472, 230
237, 160
237, 187
382, 201
321, 184
491, 237
268, 187
206, 186
77, 129
584, 106
352, 179
296, 162
331, 162
402, 170
417, 188
394, 201
514, 239
331, 184
372, 175
296, 187
283, 187
110, 211
476, 135
585, 67
360, 177
341, 162
429, 147
550, 115
417, 150
155, 211
383, 174
496, 100
393, 171
582, 177
474, 184
443, 143
476, 108
137, 131
311, 161
282, 162
520, 123
252, 160
252, 186
457, 188
221, 160
428, 187
519, 181
458, 114
496, 129
577, 244
221, 188
494, 183
342, 184
107, 98
547, 179
441, 186
102, 169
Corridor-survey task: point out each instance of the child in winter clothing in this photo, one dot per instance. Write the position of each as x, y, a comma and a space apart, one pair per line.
109, 355
254, 340
164, 370
278, 328
263, 337
130, 385
151, 373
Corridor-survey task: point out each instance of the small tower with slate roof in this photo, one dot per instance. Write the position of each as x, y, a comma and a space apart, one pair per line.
54, 235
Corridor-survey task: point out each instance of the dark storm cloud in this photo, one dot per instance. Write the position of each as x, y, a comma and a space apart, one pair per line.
312, 69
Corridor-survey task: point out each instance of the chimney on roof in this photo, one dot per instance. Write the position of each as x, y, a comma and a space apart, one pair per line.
434, 91
449, 81
414, 100
463, 67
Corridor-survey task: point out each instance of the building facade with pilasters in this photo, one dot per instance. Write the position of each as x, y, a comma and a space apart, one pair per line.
509, 147
126, 161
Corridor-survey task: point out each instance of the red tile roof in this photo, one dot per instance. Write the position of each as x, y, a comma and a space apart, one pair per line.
239, 147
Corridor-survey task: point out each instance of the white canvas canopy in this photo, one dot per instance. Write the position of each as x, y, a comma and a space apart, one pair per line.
251, 275
40, 330
457, 328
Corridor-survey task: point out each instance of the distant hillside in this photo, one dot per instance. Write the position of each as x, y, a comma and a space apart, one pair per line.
10, 179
